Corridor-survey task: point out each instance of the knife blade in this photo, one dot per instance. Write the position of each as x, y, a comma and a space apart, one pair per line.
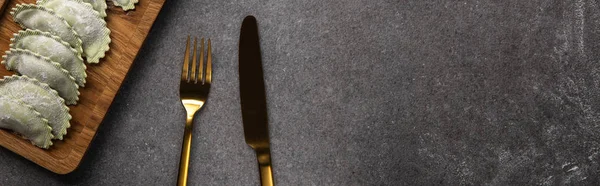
253, 98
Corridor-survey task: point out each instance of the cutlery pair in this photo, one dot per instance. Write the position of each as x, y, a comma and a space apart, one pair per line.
195, 85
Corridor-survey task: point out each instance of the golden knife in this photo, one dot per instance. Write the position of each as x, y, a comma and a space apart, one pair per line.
253, 98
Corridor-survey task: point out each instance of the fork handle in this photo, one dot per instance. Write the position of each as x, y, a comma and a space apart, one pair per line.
185, 153
264, 165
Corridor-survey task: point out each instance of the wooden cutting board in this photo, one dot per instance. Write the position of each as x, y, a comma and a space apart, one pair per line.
128, 32
2, 5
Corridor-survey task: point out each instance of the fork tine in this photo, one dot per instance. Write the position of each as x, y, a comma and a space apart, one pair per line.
201, 68
193, 74
209, 64
186, 60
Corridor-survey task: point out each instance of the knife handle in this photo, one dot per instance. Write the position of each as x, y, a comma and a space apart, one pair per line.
185, 153
264, 164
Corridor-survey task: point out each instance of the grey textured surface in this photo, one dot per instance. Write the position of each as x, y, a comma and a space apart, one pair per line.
364, 92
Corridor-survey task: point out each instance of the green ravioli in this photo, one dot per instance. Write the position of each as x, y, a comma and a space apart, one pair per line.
41, 98
44, 70
51, 46
86, 22
40, 18
24, 120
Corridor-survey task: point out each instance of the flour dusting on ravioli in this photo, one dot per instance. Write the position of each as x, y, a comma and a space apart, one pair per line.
50, 46
41, 98
24, 120
88, 24
27, 63
40, 18
99, 6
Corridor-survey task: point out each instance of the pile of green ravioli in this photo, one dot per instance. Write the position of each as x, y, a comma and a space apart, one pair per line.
48, 58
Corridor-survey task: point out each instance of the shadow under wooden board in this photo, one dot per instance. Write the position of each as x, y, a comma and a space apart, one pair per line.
128, 32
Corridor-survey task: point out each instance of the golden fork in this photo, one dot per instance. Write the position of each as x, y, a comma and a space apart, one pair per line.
193, 91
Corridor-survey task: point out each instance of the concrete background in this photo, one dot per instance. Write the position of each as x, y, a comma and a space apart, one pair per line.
364, 92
